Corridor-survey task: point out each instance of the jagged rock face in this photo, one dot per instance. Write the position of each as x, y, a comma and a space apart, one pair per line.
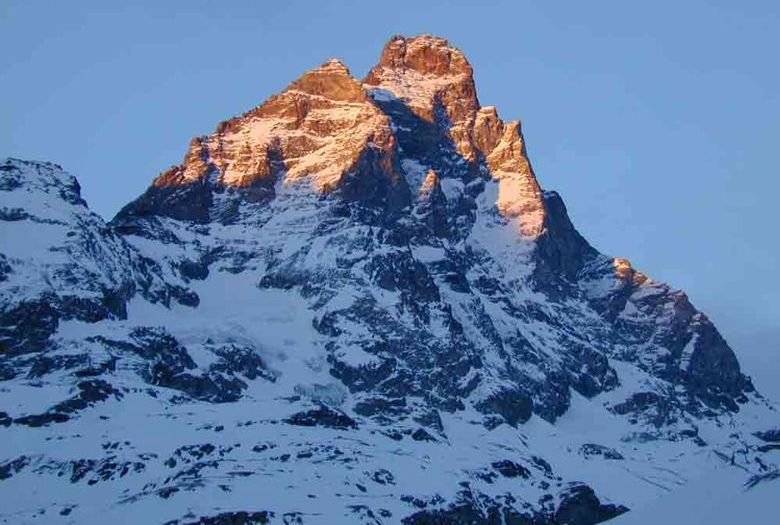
427, 87
415, 155
426, 72
375, 295
467, 212
688, 348
322, 131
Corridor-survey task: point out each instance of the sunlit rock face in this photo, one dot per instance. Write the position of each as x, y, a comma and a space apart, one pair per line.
418, 111
425, 78
355, 301
322, 131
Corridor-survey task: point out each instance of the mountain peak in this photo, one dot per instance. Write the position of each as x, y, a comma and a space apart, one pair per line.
33, 180
425, 54
365, 275
324, 126
316, 130
331, 80
427, 78
425, 72
336, 64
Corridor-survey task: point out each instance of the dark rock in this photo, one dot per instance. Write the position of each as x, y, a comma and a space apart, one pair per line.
42, 365
381, 406
422, 435
763, 478
561, 250
593, 449
9, 468
714, 373
105, 469
214, 389
39, 420
7, 371
91, 392
656, 409
770, 436
472, 510
370, 185
383, 477
243, 360
514, 405
510, 469
186, 202
542, 464
167, 492
26, 327
430, 419
190, 453
107, 366
194, 270
324, 417
580, 506
397, 271
169, 364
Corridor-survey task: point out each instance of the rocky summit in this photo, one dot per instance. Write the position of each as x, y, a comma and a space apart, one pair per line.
354, 303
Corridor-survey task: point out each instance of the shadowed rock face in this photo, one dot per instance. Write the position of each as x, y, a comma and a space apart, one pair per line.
351, 273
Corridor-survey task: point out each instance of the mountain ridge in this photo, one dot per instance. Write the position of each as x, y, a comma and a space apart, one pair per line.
363, 267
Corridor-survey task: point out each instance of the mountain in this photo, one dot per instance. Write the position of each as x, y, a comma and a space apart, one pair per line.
352, 303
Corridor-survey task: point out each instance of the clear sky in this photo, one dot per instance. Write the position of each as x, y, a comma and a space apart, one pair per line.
658, 121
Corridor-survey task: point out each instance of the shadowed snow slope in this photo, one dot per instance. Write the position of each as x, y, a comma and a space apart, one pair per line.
352, 303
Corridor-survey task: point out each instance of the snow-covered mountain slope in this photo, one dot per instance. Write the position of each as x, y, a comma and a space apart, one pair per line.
353, 303
59, 261
718, 496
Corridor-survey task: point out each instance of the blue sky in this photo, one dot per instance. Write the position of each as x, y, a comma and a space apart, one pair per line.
658, 122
